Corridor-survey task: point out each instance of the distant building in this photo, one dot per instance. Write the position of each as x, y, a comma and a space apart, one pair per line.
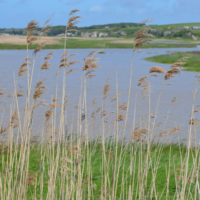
166, 33
194, 37
196, 27
103, 34
94, 34
186, 27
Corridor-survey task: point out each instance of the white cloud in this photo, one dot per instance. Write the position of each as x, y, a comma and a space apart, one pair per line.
96, 9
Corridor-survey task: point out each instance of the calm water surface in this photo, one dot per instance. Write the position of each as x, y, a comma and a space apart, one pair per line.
114, 68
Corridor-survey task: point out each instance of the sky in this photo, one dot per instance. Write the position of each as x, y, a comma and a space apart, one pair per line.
17, 13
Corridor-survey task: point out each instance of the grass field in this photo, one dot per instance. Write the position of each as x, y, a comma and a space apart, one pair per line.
135, 170
191, 59
97, 44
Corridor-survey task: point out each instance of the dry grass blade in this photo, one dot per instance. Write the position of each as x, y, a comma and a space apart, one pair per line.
91, 76
92, 53
174, 69
123, 106
74, 11
120, 117
48, 114
3, 130
105, 90
90, 63
139, 43
31, 179
146, 21
174, 130
62, 65
14, 117
71, 63
140, 38
72, 21
54, 105
83, 116
48, 57
39, 90
45, 66
32, 25
194, 122
139, 132
142, 81
50, 53
142, 34
39, 47
31, 28
20, 95
55, 100
64, 62
114, 99
173, 100
31, 40
23, 69
69, 71
169, 75
45, 29
103, 113
157, 70
154, 75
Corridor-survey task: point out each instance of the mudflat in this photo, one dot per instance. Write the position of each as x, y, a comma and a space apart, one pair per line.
18, 39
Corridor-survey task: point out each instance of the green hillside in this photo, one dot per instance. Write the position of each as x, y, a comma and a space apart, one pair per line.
123, 30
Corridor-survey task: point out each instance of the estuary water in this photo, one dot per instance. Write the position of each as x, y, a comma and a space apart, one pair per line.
165, 106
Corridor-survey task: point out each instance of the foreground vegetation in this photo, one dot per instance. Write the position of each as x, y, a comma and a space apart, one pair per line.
191, 60
67, 160
99, 170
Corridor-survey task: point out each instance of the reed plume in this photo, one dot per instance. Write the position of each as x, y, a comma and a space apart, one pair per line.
120, 117
45, 65
48, 114
140, 38
106, 89
23, 68
72, 21
74, 11
157, 70
31, 29
123, 106
90, 64
39, 90
65, 60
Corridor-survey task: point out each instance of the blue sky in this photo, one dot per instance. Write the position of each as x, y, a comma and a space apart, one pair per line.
17, 13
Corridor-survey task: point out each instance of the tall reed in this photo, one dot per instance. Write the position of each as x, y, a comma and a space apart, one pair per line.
65, 163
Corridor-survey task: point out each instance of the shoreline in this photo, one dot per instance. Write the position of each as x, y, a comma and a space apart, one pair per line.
19, 42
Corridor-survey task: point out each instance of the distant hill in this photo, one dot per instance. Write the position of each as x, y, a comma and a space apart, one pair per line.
124, 30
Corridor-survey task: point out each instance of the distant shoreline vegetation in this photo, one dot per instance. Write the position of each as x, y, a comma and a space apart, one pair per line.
191, 60
97, 44
188, 31
184, 35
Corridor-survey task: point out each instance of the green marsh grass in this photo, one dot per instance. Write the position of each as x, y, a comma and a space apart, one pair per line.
96, 44
190, 59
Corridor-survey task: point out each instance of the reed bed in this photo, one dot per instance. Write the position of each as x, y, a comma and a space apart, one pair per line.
67, 163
